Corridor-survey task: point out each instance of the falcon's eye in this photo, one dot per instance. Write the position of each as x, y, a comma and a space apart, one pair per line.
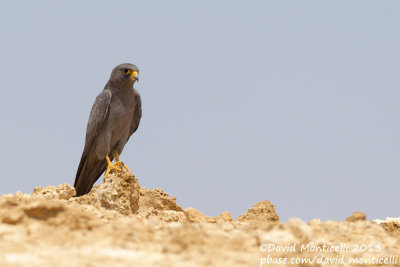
126, 71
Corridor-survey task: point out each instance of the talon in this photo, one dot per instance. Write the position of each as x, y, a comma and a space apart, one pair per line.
126, 167
110, 167
118, 166
118, 163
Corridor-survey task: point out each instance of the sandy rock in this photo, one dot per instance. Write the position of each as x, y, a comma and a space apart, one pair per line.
167, 216
118, 193
43, 210
62, 191
14, 217
356, 216
225, 216
391, 226
315, 221
153, 202
120, 223
193, 215
300, 229
261, 211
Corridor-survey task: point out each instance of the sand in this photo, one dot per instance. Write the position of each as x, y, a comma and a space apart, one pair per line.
120, 223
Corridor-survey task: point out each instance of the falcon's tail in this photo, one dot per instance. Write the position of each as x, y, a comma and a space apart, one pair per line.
89, 170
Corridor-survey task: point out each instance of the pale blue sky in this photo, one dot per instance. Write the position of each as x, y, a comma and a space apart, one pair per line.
296, 102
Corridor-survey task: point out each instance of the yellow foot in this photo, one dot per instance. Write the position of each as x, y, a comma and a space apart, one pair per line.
110, 167
127, 169
120, 164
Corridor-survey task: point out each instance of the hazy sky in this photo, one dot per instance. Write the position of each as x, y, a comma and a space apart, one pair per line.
296, 102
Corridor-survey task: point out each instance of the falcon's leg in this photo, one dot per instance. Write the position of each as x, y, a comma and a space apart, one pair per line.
110, 167
119, 163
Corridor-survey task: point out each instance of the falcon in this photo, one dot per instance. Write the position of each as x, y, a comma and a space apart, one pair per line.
114, 117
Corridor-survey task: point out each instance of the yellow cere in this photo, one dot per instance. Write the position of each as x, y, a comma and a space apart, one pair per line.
134, 73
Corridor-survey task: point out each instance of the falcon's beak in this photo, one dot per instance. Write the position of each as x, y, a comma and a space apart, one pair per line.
134, 76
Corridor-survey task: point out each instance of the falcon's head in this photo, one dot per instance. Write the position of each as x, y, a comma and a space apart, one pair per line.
125, 74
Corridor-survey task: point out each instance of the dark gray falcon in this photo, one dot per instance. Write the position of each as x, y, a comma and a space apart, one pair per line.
115, 116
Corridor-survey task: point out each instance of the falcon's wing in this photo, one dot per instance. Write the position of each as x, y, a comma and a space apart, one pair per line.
97, 116
137, 115
89, 166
